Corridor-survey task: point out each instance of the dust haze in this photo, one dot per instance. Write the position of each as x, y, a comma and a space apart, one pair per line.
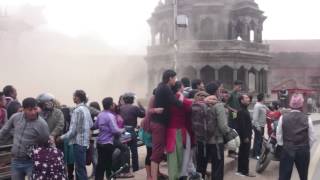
35, 60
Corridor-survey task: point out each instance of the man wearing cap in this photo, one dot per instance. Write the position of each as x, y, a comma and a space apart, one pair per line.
53, 116
29, 130
296, 134
130, 114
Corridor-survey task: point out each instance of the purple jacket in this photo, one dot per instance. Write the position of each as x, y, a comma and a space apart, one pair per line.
106, 123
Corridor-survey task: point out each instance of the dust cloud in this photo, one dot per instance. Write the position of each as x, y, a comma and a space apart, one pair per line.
35, 60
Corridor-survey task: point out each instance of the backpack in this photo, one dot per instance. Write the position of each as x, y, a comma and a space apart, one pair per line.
204, 122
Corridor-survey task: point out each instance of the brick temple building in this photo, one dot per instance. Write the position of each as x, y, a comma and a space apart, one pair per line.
223, 41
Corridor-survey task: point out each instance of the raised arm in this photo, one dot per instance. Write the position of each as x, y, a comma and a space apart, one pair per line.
6, 128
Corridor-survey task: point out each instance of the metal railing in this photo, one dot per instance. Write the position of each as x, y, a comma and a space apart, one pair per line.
5, 159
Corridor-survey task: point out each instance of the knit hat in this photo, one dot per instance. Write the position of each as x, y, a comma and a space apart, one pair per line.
200, 96
211, 88
297, 101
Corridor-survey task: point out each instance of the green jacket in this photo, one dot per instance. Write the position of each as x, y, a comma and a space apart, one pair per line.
222, 125
55, 121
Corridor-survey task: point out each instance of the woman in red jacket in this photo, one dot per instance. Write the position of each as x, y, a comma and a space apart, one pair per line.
178, 127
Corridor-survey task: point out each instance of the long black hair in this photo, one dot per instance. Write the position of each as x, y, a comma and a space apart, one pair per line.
176, 87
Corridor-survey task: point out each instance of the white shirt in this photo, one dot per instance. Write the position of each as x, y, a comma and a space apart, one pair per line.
311, 133
259, 116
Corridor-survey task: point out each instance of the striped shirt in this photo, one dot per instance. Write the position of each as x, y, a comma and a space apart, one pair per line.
81, 122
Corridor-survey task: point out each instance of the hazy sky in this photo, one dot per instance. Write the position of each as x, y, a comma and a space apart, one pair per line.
122, 23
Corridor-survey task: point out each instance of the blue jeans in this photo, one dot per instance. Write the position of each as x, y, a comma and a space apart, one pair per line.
258, 140
21, 169
134, 151
80, 161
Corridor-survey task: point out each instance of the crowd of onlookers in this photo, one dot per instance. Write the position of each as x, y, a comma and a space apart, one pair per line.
188, 124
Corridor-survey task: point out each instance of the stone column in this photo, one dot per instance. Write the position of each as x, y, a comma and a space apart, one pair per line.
153, 37
266, 82
216, 74
246, 79
257, 81
261, 81
198, 73
151, 81
258, 36
235, 74
246, 33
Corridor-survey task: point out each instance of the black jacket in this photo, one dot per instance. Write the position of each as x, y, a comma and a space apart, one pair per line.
130, 114
244, 124
164, 98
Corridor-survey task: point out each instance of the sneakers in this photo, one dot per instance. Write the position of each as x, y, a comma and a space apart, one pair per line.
195, 176
240, 174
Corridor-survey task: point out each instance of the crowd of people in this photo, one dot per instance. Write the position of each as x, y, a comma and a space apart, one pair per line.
188, 124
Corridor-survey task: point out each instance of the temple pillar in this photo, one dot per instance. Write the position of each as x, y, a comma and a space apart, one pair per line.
258, 35
216, 74
198, 73
261, 81
257, 81
246, 33
246, 79
235, 74
153, 37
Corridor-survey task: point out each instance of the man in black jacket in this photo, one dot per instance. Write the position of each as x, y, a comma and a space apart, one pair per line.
244, 127
130, 114
164, 98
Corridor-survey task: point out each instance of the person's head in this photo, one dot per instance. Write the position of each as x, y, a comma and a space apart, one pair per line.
45, 101
297, 101
95, 105
275, 105
169, 77
10, 91
66, 114
115, 108
107, 103
260, 97
79, 96
120, 101
178, 87
128, 98
30, 108
185, 81
211, 88
244, 99
219, 84
237, 85
154, 91
251, 98
57, 103
2, 100
197, 84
